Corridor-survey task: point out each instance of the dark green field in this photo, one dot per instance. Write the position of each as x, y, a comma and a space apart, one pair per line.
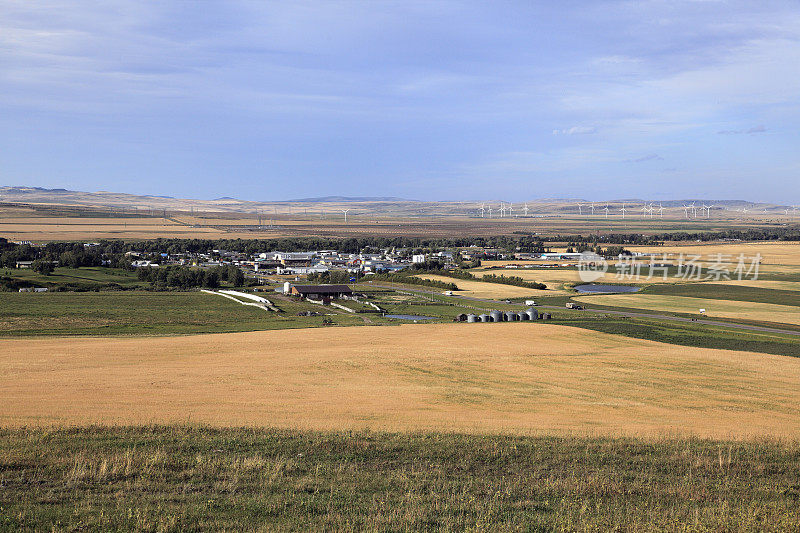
81, 279
193, 479
686, 334
727, 292
144, 313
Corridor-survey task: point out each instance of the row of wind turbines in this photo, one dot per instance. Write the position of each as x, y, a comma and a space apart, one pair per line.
647, 210
504, 210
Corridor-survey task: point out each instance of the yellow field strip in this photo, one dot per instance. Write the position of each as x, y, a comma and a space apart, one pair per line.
785, 314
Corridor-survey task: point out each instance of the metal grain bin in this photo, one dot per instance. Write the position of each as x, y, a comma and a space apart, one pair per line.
510, 316
532, 313
485, 318
523, 316
497, 316
473, 318
546, 316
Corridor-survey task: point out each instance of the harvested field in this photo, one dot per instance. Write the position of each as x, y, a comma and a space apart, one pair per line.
776, 257
786, 314
765, 284
556, 278
484, 289
773, 253
518, 378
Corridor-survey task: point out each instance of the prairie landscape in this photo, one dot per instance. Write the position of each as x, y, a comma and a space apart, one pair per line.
497, 378
319, 266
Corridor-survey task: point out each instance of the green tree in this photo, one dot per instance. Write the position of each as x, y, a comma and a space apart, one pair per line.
211, 279
42, 267
235, 276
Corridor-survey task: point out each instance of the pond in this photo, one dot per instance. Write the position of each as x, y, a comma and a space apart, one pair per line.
411, 317
596, 287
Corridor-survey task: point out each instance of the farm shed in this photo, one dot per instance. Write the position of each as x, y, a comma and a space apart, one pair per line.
321, 292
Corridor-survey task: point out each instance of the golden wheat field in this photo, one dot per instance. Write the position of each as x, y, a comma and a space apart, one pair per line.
513, 377
484, 289
556, 278
775, 256
786, 314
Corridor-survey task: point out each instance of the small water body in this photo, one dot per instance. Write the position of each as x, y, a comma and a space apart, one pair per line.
411, 317
596, 287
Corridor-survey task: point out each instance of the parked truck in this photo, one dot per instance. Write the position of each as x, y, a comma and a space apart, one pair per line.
573, 305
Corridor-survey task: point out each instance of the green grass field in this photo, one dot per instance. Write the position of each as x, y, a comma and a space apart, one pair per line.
685, 334
727, 292
192, 479
84, 278
145, 313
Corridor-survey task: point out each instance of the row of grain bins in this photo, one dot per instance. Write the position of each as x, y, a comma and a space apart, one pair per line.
508, 316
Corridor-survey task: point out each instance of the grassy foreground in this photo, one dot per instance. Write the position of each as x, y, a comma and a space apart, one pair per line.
189, 478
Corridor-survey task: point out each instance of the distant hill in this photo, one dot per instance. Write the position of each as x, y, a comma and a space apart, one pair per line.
352, 199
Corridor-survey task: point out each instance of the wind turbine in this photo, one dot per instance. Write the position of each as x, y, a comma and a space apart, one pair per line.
526, 209
511, 210
580, 212
345, 214
502, 209
623, 210
606, 210
694, 210
644, 211
660, 210
592, 208
490, 211
483, 208
708, 210
686, 210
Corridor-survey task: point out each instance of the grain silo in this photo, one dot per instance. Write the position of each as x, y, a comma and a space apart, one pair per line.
497, 316
532, 313
485, 318
523, 316
473, 318
545, 316
509, 316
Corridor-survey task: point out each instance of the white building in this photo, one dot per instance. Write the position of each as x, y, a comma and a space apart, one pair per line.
418, 258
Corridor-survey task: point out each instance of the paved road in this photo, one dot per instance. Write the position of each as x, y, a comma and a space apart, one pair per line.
670, 318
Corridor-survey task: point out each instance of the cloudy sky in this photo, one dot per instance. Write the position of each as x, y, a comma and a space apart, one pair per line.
445, 100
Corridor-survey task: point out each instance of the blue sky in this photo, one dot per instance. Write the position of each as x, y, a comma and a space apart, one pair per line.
430, 100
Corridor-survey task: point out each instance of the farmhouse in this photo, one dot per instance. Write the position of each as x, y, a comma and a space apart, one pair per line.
320, 292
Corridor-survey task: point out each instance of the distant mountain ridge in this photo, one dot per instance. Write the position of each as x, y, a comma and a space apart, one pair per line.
42, 195
352, 199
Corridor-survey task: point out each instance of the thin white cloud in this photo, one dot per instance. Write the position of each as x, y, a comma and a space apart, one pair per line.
649, 157
754, 129
576, 130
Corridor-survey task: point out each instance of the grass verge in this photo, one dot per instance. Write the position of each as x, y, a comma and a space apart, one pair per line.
191, 478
